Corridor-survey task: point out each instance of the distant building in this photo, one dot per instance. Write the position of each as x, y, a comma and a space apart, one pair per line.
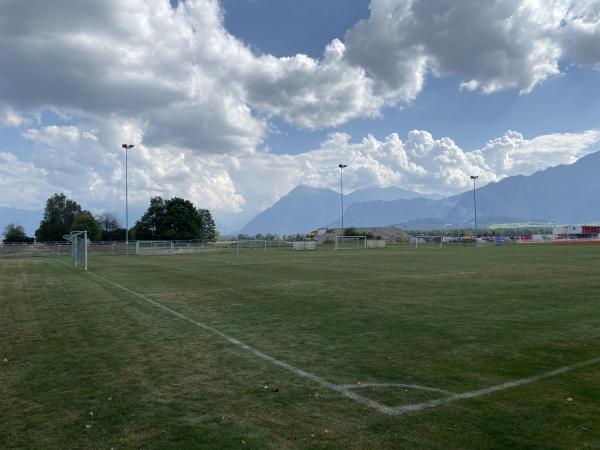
577, 232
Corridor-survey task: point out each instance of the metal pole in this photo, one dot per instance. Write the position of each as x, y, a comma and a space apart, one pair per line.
342, 195
474, 177
341, 166
126, 147
126, 207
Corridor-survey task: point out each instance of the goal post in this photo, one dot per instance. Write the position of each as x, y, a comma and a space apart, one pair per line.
350, 242
79, 249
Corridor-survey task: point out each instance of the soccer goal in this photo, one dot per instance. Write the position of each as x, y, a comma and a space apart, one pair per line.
79, 249
350, 242
154, 247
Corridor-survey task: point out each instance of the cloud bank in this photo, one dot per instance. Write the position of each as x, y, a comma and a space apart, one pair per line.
189, 83
74, 160
198, 103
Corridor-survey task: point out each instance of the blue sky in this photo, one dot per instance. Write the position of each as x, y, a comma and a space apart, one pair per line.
560, 104
232, 103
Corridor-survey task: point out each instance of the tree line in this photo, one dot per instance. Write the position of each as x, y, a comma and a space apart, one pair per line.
165, 219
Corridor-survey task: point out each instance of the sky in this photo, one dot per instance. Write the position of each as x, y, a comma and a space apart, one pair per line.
232, 103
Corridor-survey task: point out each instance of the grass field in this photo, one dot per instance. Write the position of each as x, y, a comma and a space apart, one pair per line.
326, 349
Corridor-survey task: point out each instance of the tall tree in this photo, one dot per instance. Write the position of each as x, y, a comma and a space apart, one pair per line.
173, 219
59, 214
15, 233
111, 230
209, 230
86, 222
181, 220
150, 225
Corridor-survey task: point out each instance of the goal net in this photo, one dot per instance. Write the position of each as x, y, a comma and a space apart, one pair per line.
79, 249
350, 242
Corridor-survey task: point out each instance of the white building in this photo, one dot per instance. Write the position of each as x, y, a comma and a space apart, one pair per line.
576, 232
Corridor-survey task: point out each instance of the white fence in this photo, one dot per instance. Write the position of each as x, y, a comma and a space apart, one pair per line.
371, 243
31, 249
179, 247
304, 245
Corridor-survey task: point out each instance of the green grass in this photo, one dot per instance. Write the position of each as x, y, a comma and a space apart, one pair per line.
89, 365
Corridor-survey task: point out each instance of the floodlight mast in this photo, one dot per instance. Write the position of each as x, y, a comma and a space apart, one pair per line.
342, 167
474, 177
126, 147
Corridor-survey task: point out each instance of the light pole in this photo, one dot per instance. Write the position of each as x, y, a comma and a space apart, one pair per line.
126, 147
474, 177
342, 166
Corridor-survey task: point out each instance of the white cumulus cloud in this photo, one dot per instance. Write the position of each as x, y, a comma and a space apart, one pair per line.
88, 164
189, 83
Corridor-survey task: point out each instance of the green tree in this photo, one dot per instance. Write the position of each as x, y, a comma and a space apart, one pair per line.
150, 225
174, 219
181, 220
111, 230
351, 231
85, 222
15, 233
209, 230
59, 214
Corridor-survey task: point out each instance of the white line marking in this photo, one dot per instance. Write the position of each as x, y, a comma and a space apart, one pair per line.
499, 387
301, 373
396, 385
347, 390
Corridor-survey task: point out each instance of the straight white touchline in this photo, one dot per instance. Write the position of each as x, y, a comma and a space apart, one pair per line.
299, 372
499, 387
396, 385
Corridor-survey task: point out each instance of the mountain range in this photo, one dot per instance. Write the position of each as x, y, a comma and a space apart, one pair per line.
561, 194
305, 208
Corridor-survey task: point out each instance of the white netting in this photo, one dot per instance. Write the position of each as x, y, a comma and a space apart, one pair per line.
79, 249
304, 245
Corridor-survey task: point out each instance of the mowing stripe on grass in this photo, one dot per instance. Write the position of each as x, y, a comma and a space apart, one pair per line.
499, 387
295, 370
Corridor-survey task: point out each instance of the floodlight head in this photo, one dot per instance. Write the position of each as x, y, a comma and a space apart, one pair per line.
341, 166
124, 145
127, 147
474, 177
